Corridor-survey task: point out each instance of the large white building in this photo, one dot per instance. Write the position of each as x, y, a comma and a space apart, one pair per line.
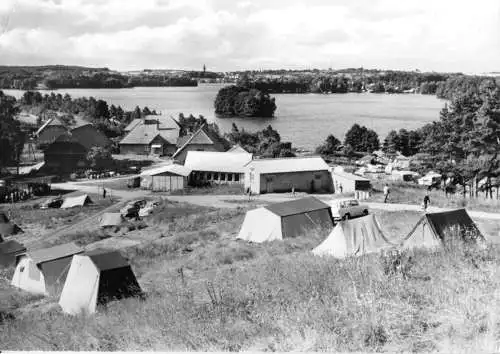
301, 174
217, 167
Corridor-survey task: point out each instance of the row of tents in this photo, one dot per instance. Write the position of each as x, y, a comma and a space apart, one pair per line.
353, 237
82, 280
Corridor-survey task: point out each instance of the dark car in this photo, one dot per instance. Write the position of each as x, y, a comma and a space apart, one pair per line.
132, 208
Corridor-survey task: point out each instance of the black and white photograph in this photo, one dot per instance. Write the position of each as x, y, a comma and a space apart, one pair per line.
250, 176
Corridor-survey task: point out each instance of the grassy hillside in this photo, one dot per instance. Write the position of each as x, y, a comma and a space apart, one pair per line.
206, 291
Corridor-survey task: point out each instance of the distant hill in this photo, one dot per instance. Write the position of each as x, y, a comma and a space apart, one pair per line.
70, 76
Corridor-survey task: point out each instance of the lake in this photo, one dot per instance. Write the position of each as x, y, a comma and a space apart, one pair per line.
304, 119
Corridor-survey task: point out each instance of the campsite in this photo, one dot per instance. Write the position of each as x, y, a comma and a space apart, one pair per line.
199, 278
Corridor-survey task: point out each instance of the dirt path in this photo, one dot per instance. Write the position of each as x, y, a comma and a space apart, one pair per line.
234, 201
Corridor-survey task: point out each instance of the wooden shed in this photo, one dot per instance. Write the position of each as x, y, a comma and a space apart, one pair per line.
165, 178
344, 182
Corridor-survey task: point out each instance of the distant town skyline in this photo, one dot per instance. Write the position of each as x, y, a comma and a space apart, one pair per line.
225, 35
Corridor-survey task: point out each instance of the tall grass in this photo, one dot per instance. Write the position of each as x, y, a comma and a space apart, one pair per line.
209, 292
292, 302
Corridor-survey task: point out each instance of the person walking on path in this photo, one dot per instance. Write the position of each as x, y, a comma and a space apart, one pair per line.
386, 192
426, 202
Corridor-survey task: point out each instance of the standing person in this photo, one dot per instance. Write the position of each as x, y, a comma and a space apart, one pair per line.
386, 192
293, 191
104, 193
426, 202
341, 188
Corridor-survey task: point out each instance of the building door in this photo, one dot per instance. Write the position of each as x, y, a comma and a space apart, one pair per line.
269, 184
317, 183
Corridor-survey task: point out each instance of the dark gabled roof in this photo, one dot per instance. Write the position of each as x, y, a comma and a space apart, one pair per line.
53, 253
12, 247
133, 124
144, 134
51, 122
203, 136
88, 136
297, 206
107, 259
441, 222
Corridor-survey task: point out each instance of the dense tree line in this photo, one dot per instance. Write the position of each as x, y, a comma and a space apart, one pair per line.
59, 77
357, 139
465, 85
11, 136
241, 101
406, 142
266, 143
109, 119
465, 142
342, 81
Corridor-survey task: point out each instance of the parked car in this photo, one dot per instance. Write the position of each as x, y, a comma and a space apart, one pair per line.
52, 203
132, 208
148, 208
344, 209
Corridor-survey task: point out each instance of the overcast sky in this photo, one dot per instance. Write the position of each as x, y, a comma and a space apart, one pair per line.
441, 35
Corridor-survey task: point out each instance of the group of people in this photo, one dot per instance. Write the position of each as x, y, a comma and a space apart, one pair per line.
16, 196
425, 203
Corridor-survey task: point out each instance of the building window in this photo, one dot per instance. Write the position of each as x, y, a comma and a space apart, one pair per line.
209, 176
317, 176
237, 177
230, 177
222, 176
216, 176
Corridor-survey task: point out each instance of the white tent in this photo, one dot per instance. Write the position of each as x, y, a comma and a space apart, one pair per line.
354, 237
287, 219
261, 225
111, 219
44, 271
95, 278
71, 202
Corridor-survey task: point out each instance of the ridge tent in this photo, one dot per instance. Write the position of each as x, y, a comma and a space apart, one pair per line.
95, 278
287, 219
44, 271
433, 229
353, 238
111, 220
10, 252
71, 202
7, 228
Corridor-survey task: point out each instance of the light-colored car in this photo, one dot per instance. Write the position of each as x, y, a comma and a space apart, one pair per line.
148, 208
347, 208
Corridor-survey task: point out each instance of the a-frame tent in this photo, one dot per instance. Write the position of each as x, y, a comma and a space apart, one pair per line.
111, 220
355, 237
8, 228
287, 219
435, 228
71, 202
44, 271
10, 251
95, 278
